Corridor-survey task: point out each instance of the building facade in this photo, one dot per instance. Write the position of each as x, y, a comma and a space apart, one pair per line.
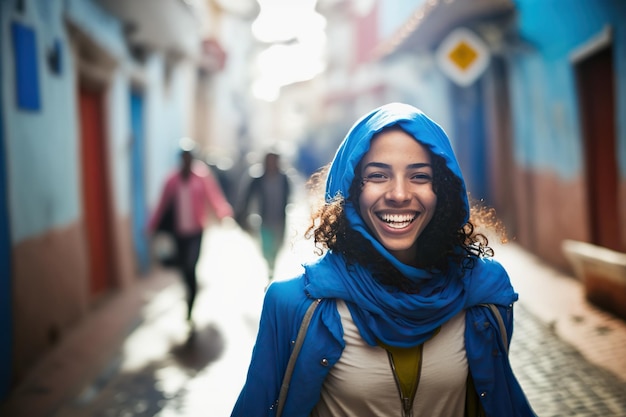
92, 105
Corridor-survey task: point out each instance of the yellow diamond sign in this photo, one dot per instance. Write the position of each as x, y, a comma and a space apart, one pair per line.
463, 56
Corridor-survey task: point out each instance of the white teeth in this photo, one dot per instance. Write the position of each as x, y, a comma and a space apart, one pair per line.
397, 221
397, 218
398, 225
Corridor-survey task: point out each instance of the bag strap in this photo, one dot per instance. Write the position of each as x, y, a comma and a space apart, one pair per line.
500, 321
294, 355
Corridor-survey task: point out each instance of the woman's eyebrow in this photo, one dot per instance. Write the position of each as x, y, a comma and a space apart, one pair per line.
377, 165
416, 165
419, 165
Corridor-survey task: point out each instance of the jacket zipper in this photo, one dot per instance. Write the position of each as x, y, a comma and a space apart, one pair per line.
407, 403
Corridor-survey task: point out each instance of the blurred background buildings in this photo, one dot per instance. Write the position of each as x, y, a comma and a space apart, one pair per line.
95, 95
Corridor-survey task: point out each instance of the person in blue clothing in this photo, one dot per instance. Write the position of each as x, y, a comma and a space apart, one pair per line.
414, 316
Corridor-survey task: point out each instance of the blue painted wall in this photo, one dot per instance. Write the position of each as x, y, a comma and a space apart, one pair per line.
40, 169
6, 304
42, 147
543, 85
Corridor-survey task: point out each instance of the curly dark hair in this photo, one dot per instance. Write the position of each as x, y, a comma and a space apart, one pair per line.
442, 243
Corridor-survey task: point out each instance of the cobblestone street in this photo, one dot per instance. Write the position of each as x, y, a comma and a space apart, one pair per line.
557, 379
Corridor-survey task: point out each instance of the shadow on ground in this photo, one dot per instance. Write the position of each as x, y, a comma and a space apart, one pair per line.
157, 386
202, 347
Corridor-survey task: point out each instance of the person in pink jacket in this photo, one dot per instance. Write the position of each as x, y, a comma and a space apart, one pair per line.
190, 196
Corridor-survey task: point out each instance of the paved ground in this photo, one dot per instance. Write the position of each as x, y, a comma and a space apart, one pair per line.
557, 378
569, 356
137, 357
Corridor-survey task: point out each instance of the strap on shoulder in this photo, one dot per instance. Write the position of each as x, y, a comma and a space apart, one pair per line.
500, 320
294, 355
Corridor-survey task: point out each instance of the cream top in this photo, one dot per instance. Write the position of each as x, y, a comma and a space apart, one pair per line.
362, 384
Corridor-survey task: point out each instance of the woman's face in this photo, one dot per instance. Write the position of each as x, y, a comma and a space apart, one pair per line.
397, 200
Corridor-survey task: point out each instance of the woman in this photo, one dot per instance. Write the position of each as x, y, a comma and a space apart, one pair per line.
403, 326
190, 195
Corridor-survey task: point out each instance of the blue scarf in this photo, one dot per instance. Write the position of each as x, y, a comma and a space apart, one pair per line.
380, 313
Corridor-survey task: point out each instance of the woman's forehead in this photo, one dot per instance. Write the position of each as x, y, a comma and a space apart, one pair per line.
394, 141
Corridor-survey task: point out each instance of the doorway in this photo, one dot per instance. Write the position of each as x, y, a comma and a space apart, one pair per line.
6, 291
138, 198
95, 188
595, 80
470, 134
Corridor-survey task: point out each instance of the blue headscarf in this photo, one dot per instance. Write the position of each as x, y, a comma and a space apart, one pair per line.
394, 317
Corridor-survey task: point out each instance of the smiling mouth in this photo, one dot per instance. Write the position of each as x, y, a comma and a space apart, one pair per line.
397, 221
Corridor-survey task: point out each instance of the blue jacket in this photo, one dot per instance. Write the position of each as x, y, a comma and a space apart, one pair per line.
284, 307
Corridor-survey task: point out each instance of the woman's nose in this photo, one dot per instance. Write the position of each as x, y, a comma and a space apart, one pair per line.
398, 191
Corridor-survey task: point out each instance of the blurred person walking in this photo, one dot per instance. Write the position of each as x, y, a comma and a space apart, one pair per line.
270, 193
190, 197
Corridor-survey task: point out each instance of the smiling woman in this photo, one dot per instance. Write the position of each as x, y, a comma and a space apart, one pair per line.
412, 315
296, 38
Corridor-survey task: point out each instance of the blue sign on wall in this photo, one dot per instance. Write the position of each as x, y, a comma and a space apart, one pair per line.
26, 76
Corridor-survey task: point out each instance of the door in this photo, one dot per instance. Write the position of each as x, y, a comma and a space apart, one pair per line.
470, 139
595, 80
95, 189
6, 299
499, 146
139, 207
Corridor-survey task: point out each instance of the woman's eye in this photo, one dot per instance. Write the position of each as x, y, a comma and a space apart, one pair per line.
422, 177
375, 177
